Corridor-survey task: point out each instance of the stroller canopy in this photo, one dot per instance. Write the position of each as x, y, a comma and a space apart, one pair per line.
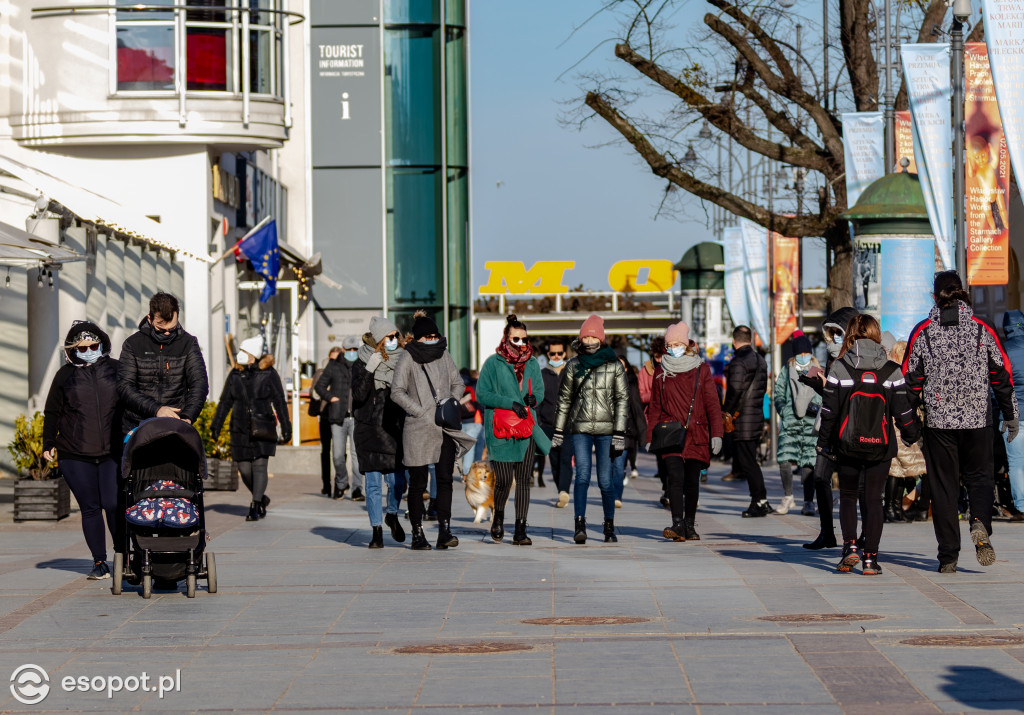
164, 440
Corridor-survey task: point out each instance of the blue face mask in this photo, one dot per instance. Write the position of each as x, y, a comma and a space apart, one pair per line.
677, 352
91, 356
351, 355
555, 363
391, 345
803, 360
435, 341
837, 339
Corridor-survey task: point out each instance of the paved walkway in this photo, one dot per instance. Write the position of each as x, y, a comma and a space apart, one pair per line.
307, 619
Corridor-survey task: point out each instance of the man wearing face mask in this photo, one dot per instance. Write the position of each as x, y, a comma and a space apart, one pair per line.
746, 385
335, 384
80, 424
161, 372
561, 456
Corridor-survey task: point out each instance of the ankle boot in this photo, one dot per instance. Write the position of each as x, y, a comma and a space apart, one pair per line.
676, 532
445, 538
377, 540
609, 531
498, 525
262, 505
419, 539
887, 511
870, 565
825, 540
691, 531
580, 536
254, 513
519, 538
397, 532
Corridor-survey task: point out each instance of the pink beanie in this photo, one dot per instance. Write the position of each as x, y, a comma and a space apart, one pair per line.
593, 327
678, 333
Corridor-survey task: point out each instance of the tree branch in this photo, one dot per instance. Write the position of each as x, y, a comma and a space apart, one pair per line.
855, 36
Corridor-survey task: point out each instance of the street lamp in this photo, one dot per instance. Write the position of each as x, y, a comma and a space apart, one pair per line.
689, 158
961, 13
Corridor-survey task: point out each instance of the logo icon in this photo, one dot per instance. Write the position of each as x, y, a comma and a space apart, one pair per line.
30, 684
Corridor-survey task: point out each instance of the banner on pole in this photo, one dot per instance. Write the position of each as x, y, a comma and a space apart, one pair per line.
867, 275
785, 276
735, 281
987, 175
863, 151
926, 70
905, 142
1003, 43
755, 278
907, 266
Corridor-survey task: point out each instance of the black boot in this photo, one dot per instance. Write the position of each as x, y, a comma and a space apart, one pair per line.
498, 525
519, 538
431, 514
580, 536
445, 538
419, 539
887, 509
691, 532
254, 513
540, 481
609, 531
676, 532
397, 532
825, 540
262, 506
377, 540
338, 493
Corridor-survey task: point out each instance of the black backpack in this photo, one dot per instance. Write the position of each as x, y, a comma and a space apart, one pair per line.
865, 417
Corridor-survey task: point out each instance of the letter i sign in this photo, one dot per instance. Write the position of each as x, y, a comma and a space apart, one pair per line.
344, 105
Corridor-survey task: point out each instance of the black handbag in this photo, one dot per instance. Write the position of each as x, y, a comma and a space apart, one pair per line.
448, 413
262, 428
671, 436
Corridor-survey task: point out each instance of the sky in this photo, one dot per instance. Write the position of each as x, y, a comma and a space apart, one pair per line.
545, 191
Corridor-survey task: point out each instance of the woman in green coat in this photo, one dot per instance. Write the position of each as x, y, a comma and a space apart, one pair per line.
797, 404
510, 380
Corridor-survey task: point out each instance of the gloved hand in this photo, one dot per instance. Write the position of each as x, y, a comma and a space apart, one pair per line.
286, 438
556, 439
716, 445
374, 362
520, 410
618, 442
1010, 428
530, 400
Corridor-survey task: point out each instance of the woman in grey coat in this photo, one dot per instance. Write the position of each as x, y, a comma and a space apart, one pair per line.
426, 363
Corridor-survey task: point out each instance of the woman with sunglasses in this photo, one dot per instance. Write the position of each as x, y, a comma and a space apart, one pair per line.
509, 387
81, 427
378, 427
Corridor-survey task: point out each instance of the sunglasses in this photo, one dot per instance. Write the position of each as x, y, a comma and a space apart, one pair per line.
554, 353
517, 341
351, 350
391, 336
83, 349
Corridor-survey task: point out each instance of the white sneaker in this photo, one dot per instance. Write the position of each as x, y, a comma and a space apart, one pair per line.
625, 480
786, 504
563, 500
634, 474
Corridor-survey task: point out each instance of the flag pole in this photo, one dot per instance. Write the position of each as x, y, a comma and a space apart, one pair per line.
251, 231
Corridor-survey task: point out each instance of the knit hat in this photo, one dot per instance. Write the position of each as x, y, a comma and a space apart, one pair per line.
801, 344
423, 326
380, 328
351, 342
250, 346
678, 333
593, 327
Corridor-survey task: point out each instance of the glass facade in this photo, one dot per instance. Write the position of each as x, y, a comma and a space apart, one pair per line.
427, 165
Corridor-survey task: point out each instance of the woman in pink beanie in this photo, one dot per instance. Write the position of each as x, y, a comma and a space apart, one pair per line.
684, 392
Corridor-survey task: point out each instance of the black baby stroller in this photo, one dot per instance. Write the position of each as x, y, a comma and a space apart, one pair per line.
163, 468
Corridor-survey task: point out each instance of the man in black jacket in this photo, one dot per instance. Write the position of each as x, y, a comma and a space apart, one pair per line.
746, 384
335, 385
161, 372
561, 457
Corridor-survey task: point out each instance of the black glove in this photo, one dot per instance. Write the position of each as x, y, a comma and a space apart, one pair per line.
618, 442
520, 410
286, 438
557, 439
530, 400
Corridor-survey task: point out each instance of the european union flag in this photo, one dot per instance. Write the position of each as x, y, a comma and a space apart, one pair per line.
261, 250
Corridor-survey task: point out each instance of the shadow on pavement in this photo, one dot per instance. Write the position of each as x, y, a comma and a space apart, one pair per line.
73, 565
983, 688
232, 509
333, 533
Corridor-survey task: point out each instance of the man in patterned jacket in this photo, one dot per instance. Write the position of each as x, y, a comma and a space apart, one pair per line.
952, 361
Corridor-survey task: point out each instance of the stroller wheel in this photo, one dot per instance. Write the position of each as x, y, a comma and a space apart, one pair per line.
211, 573
118, 574
190, 585
147, 585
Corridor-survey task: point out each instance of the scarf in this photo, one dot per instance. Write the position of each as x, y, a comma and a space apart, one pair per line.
802, 394
589, 362
385, 371
672, 366
423, 353
515, 355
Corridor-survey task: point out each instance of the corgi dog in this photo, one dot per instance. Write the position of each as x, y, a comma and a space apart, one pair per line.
480, 489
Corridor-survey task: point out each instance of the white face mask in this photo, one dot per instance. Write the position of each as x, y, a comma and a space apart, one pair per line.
435, 341
837, 339
91, 356
677, 352
351, 355
556, 363
391, 344
804, 359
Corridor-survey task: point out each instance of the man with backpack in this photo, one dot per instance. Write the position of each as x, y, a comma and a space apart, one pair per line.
746, 385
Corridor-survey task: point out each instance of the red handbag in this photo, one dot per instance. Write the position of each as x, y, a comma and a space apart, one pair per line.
508, 425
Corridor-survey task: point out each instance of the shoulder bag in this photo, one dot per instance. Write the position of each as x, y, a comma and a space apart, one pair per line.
448, 413
671, 436
506, 424
262, 428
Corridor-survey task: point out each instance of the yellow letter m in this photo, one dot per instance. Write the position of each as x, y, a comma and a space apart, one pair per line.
512, 277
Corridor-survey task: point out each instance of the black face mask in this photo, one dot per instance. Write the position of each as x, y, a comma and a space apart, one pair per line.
589, 349
164, 338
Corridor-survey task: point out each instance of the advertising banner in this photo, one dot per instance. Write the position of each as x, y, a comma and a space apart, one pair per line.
786, 277
863, 151
867, 276
735, 286
987, 175
755, 278
926, 70
907, 267
1003, 40
905, 142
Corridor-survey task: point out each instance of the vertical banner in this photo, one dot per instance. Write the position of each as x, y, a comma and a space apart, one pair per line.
926, 70
863, 151
735, 286
987, 175
785, 278
1003, 41
867, 275
755, 278
907, 268
905, 142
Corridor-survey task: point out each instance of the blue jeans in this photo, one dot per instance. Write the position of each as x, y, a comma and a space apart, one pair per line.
619, 473
341, 436
1015, 456
374, 494
474, 455
582, 446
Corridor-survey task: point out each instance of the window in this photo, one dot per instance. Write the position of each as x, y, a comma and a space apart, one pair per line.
147, 38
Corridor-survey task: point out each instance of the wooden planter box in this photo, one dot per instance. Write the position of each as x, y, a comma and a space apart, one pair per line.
41, 499
223, 475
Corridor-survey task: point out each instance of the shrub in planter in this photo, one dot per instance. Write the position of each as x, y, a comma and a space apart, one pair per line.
218, 450
43, 494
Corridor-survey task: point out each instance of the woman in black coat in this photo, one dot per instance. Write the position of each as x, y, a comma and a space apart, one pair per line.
82, 427
253, 394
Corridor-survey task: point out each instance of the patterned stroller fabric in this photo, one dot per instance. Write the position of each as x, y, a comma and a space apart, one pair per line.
174, 512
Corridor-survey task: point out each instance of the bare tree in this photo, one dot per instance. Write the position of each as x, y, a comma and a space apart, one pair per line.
742, 73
